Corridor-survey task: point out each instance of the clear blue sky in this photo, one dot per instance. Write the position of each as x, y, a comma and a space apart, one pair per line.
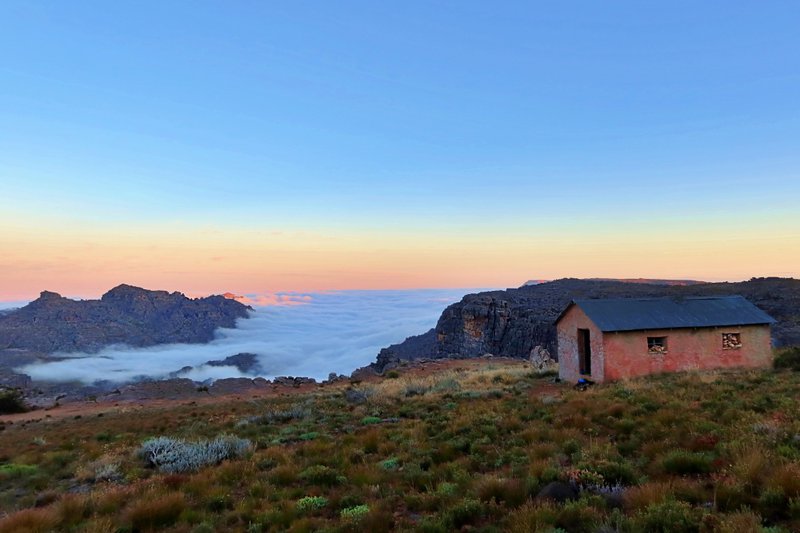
400, 115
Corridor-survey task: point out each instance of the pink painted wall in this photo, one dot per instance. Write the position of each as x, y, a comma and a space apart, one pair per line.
687, 349
568, 362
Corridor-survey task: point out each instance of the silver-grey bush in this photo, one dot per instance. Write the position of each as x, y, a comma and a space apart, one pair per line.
174, 456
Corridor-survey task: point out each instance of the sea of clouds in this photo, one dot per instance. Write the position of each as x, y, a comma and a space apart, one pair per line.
293, 334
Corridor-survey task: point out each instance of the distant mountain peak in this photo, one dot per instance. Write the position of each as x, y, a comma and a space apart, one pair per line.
125, 291
645, 281
650, 281
49, 295
124, 315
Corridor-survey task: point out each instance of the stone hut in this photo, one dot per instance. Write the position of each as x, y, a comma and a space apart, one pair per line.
609, 339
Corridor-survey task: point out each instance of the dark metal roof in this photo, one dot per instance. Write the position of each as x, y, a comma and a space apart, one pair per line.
631, 314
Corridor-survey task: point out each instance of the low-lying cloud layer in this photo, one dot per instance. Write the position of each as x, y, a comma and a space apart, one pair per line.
295, 334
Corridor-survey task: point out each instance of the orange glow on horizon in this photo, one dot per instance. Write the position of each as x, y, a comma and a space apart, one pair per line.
86, 261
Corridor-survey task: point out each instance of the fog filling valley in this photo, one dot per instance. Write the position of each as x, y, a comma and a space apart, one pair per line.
307, 335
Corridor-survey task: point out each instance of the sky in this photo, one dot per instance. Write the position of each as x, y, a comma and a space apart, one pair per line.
303, 146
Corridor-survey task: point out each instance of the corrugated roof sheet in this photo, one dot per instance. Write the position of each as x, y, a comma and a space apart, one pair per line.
630, 314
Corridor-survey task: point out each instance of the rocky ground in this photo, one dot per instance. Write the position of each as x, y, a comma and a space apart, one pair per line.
161, 393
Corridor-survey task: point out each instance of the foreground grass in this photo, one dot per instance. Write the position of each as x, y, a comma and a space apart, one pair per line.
450, 451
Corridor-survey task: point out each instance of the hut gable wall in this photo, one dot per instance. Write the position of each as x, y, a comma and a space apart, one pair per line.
568, 353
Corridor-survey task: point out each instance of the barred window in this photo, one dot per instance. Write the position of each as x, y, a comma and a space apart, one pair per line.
657, 345
731, 341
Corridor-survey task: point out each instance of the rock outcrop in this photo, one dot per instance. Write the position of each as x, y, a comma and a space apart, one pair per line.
124, 315
409, 349
518, 322
246, 362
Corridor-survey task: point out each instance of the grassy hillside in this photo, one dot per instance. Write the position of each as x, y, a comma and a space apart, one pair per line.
462, 445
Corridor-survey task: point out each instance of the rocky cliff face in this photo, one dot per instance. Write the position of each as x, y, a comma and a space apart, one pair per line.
512, 323
415, 347
124, 315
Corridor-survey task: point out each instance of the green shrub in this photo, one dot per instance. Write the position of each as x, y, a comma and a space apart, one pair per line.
446, 385
571, 447
218, 502
433, 524
669, 517
320, 475
369, 420
464, 513
355, 513
393, 374
311, 503
788, 358
773, 504
104, 437
577, 516
683, 462
794, 508
204, 527
11, 402
16, 471
393, 463
447, 489
615, 472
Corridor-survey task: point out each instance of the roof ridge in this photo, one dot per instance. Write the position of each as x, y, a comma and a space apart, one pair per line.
673, 297
628, 314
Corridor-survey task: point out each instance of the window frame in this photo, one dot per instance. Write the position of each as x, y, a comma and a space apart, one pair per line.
660, 341
732, 335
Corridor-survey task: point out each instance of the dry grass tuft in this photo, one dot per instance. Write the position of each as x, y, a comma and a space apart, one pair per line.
744, 521
155, 512
787, 479
533, 517
647, 494
101, 525
110, 500
751, 465
30, 521
72, 509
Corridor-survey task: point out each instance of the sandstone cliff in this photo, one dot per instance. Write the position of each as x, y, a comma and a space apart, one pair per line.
124, 315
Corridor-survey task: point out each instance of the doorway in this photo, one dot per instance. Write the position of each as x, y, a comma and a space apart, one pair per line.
584, 352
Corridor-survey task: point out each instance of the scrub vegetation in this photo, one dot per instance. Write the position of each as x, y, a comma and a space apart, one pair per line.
445, 450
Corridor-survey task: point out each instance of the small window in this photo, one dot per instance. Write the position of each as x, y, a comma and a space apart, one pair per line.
657, 345
731, 341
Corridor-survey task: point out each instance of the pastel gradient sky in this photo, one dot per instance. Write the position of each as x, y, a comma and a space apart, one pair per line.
257, 146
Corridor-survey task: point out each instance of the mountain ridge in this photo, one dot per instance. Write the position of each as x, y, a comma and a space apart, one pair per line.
124, 315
